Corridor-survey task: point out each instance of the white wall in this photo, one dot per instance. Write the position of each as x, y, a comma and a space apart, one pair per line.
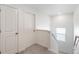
42, 21
76, 22
76, 26
23, 7
43, 38
64, 21
42, 29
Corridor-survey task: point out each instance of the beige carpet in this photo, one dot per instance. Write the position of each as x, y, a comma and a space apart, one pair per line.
36, 49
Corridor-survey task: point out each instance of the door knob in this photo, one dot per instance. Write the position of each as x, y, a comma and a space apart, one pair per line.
17, 33
33, 30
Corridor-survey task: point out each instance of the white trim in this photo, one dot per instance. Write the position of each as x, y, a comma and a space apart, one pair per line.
42, 45
23, 49
53, 51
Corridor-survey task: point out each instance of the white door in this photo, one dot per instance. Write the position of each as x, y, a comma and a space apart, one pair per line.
8, 30
26, 26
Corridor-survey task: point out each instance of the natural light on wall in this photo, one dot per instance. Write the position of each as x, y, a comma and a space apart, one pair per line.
76, 31
60, 34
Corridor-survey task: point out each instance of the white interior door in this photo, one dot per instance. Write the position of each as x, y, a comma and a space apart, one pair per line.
8, 30
26, 26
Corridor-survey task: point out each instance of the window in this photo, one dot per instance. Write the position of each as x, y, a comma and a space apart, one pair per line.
60, 34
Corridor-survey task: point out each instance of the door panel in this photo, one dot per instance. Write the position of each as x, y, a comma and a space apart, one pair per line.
12, 39
26, 26
9, 29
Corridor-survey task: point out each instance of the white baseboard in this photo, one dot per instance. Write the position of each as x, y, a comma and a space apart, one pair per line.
42, 45
53, 51
23, 49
